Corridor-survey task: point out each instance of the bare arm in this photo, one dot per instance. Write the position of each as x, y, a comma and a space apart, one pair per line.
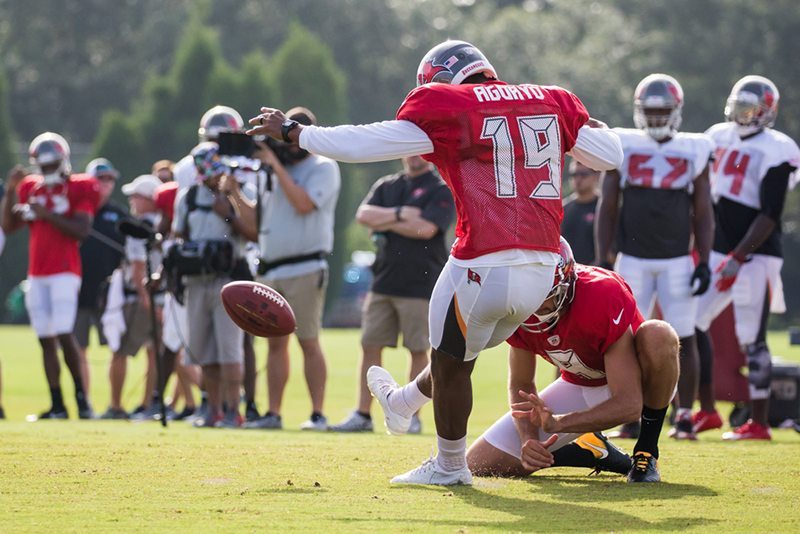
522, 377
607, 209
10, 220
382, 219
625, 383
244, 210
703, 216
77, 226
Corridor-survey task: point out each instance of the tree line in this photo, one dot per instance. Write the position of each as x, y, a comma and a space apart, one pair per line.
132, 78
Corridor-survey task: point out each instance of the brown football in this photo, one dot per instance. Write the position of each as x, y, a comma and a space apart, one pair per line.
258, 309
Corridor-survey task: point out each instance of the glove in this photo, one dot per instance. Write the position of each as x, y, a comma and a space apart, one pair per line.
728, 270
701, 278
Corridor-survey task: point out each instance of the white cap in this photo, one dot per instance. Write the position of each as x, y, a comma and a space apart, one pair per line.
144, 185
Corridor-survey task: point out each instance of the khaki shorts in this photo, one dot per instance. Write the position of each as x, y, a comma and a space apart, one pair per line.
213, 338
387, 316
306, 296
138, 329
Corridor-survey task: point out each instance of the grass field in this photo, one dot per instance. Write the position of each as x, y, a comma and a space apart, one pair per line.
120, 476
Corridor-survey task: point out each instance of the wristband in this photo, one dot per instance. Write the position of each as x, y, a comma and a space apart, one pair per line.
397, 211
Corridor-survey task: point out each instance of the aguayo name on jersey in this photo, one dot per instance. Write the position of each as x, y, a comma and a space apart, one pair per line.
495, 93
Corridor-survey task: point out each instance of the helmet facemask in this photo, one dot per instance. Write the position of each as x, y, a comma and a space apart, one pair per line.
658, 106
752, 105
49, 154
562, 292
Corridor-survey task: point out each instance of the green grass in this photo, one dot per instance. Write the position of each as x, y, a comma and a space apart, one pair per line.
104, 476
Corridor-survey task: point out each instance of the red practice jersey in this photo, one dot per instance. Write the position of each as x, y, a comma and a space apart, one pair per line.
602, 310
165, 199
50, 251
500, 148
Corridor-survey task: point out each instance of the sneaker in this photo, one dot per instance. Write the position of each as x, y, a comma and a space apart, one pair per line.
251, 412
317, 423
86, 411
355, 423
749, 430
183, 414
199, 413
416, 425
683, 429
209, 421
270, 421
49, 414
608, 457
429, 473
703, 421
146, 414
644, 468
626, 431
230, 420
114, 413
382, 385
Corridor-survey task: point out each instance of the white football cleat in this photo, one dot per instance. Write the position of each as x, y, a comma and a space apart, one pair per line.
429, 473
381, 384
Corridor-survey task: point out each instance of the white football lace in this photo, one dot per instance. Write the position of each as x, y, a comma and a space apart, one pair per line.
264, 293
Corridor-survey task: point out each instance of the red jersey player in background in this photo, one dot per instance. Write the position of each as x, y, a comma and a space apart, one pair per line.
500, 149
614, 365
58, 207
753, 169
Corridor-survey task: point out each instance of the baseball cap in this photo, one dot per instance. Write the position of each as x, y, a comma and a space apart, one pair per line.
100, 166
144, 185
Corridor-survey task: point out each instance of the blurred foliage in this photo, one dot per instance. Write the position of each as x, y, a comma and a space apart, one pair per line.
71, 61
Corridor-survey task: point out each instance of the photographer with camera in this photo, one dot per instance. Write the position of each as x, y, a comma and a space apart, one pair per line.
295, 237
210, 256
127, 325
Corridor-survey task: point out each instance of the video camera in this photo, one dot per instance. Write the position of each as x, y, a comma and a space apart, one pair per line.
241, 144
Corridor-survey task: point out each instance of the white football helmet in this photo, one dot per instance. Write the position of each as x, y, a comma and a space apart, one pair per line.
219, 119
752, 104
46, 150
657, 106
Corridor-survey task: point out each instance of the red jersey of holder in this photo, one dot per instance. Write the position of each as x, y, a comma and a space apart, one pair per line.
500, 148
165, 199
50, 251
603, 309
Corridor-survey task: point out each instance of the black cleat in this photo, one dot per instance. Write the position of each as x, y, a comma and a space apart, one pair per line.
85, 411
49, 414
644, 469
608, 457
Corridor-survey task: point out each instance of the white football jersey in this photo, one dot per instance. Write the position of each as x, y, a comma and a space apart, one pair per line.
740, 165
673, 164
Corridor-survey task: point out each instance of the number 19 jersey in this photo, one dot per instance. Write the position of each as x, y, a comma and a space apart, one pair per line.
500, 148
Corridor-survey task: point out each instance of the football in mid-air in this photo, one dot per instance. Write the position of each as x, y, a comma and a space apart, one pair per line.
258, 309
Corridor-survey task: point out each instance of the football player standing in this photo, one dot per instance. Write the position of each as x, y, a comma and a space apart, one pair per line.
753, 168
665, 192
500, 149
58, 207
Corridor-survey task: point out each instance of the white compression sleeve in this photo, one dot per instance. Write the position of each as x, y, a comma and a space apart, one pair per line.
598, 149
379, 141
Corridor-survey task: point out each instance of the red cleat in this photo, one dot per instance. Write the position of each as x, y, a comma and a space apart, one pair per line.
703, 421
749, 430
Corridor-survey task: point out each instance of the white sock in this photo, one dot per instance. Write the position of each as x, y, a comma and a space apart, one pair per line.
452, 453
683, 413
408, 400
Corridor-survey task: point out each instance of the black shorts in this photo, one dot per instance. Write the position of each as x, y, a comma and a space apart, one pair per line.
85, 318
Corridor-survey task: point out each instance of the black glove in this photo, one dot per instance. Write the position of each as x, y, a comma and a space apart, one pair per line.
701, 277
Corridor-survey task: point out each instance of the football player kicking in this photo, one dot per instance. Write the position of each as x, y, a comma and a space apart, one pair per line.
752, 171
500, 148
666, 199
615, 368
